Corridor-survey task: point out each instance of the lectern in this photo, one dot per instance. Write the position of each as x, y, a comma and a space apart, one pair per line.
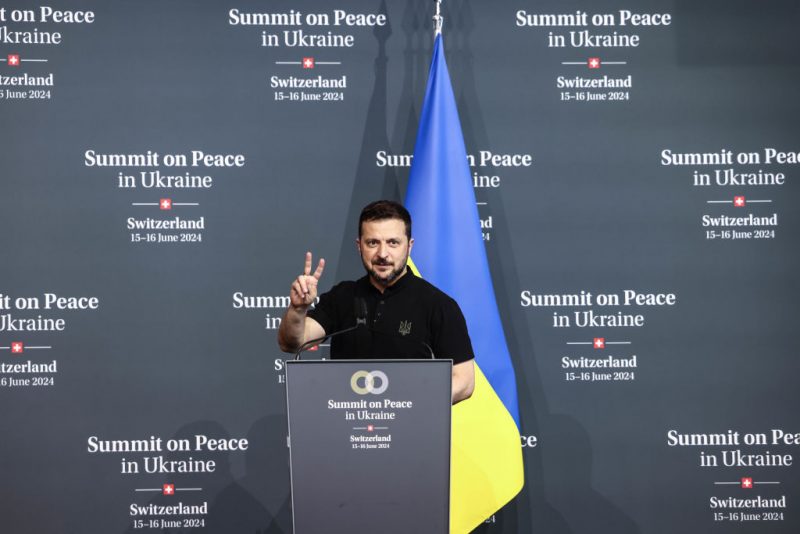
369, 444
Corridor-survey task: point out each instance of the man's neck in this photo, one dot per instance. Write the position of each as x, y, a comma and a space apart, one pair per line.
381, 287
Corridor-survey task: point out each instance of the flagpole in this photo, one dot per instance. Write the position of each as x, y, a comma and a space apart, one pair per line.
438, 19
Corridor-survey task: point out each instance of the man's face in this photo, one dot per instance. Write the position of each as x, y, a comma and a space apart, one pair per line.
384, 250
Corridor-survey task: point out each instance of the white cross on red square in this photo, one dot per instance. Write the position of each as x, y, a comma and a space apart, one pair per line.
747, 482
168, 489
370, 428
739, 201
599, 343
165, 203
308, 62
13, 60
17, 347
593, 62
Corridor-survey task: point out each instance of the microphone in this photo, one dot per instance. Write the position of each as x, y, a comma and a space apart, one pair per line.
430, 350
360, 307
361, 311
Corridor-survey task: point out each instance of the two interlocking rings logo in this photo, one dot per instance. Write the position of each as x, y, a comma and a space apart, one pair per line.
374, 382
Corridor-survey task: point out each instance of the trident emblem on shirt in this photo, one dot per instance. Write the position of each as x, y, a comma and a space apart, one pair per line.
405, 328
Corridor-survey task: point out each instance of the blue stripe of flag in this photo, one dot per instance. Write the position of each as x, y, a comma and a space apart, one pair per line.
448, 244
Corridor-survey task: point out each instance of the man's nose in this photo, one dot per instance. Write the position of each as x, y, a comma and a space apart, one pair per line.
383, 250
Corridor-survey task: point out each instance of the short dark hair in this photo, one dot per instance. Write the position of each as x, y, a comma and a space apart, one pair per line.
385, 209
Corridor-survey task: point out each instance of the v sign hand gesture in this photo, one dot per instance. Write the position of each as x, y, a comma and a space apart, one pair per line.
304, 288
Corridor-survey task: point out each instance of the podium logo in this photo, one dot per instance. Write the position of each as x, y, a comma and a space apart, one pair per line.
374, 382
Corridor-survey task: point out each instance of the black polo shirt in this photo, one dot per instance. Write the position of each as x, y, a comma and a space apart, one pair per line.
407, 314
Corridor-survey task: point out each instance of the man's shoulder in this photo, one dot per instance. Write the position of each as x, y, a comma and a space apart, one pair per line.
431, 291
343, 288
344, 285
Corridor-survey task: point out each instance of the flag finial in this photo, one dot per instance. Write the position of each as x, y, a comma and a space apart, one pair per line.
438, 19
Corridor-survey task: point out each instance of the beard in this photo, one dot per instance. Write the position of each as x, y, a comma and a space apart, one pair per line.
387, 279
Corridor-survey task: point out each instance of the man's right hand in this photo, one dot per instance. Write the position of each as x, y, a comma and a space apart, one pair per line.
304, 288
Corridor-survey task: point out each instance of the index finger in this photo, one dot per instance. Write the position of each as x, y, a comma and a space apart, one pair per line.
307, 269
320, 267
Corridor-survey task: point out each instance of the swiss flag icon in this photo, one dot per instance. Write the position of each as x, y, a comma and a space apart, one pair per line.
747, 482
13, 60
370, 428
17, 347
593, 62
739, 201
168, 489
599, 343
308, 62
165, 203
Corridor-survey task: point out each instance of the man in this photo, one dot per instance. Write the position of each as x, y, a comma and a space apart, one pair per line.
406, 316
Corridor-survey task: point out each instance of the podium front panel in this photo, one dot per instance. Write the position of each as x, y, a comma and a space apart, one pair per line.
369, 445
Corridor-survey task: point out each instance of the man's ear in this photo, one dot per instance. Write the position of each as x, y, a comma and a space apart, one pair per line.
410, 244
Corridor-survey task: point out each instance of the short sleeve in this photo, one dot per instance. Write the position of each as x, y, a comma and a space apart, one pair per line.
324, 312
449, 332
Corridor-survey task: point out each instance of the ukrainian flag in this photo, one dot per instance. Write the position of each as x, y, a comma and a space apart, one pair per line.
486, 470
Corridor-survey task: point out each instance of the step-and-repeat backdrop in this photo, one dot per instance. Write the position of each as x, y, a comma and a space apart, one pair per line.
165, 165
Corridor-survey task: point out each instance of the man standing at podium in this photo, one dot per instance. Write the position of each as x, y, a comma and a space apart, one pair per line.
406, 316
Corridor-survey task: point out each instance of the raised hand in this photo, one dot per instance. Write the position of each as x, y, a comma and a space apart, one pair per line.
304, 288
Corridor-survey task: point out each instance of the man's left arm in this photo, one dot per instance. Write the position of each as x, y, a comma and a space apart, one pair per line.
463, 380
450, 339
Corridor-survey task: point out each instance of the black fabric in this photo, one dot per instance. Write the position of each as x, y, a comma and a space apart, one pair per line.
406, 315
